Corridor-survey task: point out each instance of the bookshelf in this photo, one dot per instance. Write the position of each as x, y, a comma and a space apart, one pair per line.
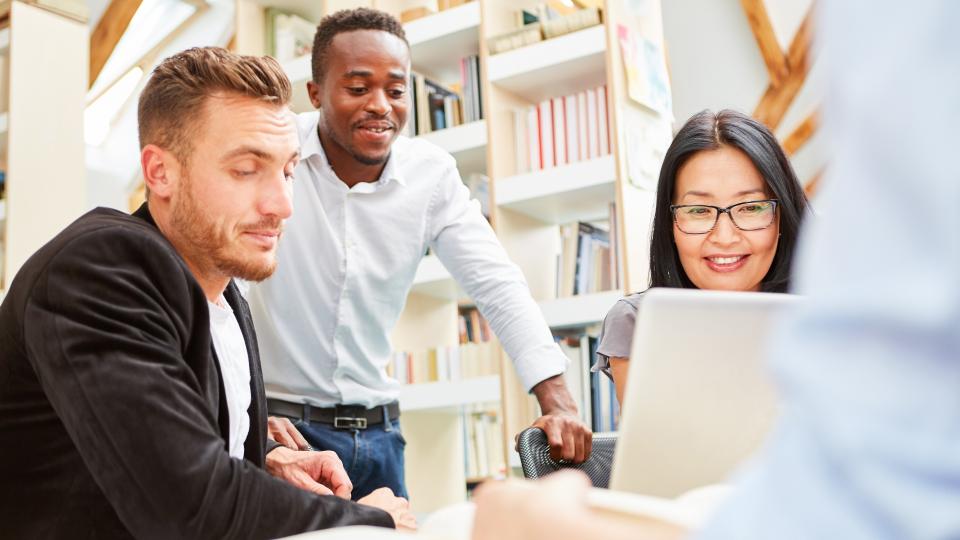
579, 311
530, 206
580, 191
467, 143
557, 66
450, 394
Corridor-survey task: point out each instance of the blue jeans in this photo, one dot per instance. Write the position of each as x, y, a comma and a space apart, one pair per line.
373, 457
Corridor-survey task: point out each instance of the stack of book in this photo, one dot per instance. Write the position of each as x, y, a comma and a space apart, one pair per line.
434, 106
544, 21
477, 355
562, 130
483, 442
588, 261
470, 82
473, 327
443, 364
594, 393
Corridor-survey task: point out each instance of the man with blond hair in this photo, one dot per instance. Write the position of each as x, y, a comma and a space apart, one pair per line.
131, 396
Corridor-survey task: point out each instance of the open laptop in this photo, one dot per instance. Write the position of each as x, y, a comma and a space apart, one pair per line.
699, 399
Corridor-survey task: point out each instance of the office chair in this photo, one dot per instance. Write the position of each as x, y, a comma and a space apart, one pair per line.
536, 462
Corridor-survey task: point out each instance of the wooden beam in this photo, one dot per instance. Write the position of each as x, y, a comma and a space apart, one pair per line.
773, 56
802, 133
810, 188
104, 38
777, 99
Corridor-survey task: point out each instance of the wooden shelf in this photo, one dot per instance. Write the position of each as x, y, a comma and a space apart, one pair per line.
556, 67
580, 310
439, 41
4, 125
579, 191
450, 394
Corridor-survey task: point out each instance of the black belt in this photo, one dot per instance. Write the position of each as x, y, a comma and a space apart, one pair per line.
341, 416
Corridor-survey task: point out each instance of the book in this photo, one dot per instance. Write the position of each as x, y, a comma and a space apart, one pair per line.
563, 130
545, 120
558, 112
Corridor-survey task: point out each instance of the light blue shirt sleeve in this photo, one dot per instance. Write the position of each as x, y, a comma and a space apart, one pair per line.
868, 445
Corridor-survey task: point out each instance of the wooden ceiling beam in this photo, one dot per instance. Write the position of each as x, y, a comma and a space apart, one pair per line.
802, 133
773, 55
810, 188
777, 98
104, 38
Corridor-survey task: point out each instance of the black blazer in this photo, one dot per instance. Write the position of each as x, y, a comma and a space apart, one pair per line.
113, 421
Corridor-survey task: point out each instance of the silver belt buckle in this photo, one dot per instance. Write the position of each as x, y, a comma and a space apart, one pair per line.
346, 422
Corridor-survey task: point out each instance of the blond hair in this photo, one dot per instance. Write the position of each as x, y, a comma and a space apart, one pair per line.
171, 103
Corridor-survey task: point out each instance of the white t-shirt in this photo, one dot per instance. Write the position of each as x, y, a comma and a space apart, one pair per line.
235, 367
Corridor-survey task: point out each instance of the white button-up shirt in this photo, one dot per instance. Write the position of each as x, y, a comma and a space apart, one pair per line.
347, 260
235, 369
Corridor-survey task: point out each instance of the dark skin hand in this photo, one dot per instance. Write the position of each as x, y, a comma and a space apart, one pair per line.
569, 438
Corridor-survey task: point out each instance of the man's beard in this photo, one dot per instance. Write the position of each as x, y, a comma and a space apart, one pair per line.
354, 153
211, 243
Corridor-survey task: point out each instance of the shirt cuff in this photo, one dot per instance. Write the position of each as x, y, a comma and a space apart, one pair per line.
541, 364
271, 446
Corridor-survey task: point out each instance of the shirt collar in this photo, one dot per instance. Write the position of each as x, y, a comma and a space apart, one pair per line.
310, 146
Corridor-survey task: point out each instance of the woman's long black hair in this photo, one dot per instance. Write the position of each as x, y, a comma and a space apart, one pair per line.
708, 131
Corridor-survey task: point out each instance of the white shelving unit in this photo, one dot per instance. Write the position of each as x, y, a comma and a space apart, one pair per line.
555, 67
438, 42
466, 142
579, 191
580, 310
450, 394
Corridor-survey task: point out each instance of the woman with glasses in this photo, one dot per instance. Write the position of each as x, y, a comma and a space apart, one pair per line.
728, 211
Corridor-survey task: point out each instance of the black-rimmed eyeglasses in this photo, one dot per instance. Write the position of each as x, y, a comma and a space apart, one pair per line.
746, 216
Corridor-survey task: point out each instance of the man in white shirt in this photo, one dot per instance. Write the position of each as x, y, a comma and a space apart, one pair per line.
368, 205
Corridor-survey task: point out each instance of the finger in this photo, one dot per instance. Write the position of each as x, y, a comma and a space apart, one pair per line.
569, 450
555, 440
333, 475
294, 433
516, 442
283, 438
579, 445
409, 522
587, 442
344, 491
304, 481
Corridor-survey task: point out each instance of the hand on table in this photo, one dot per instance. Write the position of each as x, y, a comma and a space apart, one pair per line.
397, 507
